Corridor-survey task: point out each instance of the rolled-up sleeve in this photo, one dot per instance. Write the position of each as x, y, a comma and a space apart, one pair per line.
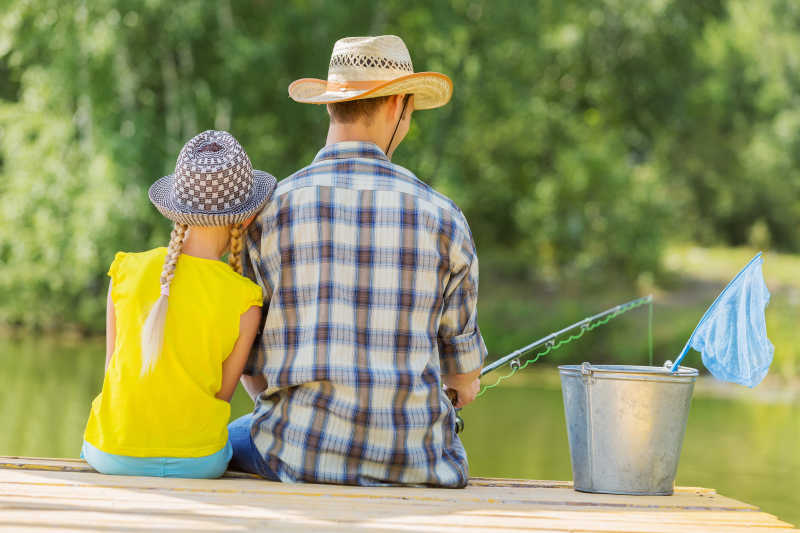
461, 346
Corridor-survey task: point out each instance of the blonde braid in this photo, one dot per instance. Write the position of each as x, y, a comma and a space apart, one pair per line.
153, 328
235, 255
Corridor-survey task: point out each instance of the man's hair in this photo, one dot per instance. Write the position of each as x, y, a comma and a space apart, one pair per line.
354, 110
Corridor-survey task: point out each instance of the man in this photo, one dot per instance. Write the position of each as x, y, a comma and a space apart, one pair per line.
370, 281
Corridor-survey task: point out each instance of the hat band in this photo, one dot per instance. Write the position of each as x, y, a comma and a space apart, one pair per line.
354, 85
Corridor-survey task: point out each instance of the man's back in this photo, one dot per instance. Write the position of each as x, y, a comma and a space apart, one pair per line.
371, 278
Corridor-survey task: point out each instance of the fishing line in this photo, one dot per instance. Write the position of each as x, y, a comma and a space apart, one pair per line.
588, 324
650, 332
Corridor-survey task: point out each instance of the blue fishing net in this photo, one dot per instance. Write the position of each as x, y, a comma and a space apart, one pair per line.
732, 335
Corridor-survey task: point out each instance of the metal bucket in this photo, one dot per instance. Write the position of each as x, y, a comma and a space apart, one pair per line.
625, 426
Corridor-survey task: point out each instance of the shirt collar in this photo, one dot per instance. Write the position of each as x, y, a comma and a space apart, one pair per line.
351, 149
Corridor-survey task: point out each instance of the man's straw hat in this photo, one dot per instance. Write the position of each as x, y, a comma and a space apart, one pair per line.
369, 67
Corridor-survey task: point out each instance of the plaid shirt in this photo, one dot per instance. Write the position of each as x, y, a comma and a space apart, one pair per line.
371, 284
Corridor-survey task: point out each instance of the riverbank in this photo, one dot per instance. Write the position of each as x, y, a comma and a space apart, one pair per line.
514, 311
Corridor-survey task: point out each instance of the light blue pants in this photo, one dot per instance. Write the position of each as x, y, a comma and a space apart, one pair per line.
209, 466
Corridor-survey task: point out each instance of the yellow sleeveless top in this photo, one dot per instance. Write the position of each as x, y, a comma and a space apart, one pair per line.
171, 412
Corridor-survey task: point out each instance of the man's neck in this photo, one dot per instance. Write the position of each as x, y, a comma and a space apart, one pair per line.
356, 132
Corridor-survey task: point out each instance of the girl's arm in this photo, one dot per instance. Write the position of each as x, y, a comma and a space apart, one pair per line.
232, 366
111, 327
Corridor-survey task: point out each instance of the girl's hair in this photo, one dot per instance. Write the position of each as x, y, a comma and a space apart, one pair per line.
153, 329
235, 255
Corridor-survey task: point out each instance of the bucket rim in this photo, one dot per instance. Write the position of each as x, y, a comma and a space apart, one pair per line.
683, 371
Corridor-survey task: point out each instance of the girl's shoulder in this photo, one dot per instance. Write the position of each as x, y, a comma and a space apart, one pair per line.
221, 276
250, 289
135, 260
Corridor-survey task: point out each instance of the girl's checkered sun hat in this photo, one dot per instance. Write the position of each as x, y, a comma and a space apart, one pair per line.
214, 183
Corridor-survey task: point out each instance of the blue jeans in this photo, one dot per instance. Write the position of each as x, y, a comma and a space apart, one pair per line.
246, 457
209, 466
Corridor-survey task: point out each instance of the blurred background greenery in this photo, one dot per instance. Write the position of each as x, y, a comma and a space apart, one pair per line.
600, 149
581, 139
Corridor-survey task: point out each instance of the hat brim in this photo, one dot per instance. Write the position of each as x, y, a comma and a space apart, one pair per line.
160, 194
430, 90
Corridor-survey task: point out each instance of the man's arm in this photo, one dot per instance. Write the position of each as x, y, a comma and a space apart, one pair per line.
252, 378
461, 347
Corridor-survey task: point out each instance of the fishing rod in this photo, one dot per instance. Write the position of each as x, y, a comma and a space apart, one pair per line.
513, 359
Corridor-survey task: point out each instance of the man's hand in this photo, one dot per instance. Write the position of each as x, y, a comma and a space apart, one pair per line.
254, 385
466, 386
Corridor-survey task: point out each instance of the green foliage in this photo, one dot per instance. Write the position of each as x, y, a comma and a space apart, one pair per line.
735, 153
581, 134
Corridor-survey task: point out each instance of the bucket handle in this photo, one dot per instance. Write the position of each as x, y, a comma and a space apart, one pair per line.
587, 373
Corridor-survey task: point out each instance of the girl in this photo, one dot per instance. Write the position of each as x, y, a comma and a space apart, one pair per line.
180, 323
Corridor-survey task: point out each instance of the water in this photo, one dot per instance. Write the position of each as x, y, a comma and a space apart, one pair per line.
745, 450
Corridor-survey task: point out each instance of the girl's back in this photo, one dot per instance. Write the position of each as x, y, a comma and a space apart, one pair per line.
171, 410
180, 323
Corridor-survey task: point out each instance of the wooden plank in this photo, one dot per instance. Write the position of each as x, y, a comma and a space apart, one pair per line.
159, 502
47, 494
79, 465
530, 495
334, 515
171, 513
74, 465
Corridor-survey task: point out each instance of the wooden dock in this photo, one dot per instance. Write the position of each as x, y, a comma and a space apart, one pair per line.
67, 495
